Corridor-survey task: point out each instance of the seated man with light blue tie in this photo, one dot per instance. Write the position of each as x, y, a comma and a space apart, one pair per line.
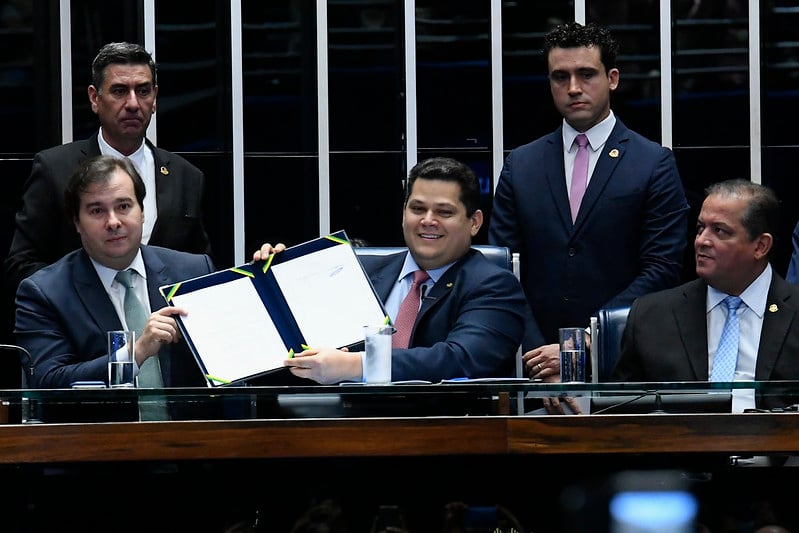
471, 313
738, 322
64, 310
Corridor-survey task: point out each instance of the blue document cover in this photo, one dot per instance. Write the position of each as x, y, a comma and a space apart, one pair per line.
245, 321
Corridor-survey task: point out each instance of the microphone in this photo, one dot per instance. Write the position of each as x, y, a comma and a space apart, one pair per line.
423, 289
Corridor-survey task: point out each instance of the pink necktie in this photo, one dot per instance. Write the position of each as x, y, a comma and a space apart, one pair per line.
579, 175
409, 308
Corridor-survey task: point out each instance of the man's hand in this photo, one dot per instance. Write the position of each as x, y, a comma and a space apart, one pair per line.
543, 363
564, 405
266, 250
161, 328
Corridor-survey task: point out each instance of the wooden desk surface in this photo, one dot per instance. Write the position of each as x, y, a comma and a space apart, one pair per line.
377, 437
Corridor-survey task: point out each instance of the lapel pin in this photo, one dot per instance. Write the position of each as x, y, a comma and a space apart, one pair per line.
773, 308
614, 153
449, 285
164, 171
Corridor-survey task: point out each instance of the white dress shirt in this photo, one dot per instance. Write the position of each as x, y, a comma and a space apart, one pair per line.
597, 137
144, 162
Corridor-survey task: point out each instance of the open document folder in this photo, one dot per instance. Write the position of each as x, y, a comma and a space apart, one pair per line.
245, 321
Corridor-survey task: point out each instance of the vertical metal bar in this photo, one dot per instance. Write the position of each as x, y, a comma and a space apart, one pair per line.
322, 100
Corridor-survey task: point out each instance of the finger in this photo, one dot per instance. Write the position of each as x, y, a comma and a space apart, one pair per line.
574, 406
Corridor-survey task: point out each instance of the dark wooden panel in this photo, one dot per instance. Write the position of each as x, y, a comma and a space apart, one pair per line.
617, 434
251, 439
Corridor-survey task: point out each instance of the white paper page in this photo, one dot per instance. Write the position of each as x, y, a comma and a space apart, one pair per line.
231, 330
329, 295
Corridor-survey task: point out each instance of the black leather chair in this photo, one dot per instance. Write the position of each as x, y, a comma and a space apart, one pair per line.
607, 330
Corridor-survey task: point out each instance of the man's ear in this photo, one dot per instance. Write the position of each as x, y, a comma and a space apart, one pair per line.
93, 94
613, 79
763, 244
477, 222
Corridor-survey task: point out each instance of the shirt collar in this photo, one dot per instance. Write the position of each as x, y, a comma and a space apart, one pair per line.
410, 266
597, 135
755, 296
108, 275
106, 149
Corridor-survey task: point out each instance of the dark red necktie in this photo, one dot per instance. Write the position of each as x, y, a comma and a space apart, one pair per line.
409, 308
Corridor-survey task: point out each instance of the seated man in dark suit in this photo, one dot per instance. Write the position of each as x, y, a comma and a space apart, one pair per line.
472, 313
679, 334
64, 310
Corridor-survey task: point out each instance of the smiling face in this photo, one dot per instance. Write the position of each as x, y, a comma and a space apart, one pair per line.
580, 86
125, 104
435, 225
110, 221
726, 256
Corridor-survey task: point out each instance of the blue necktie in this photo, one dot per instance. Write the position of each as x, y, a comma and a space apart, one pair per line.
726, 358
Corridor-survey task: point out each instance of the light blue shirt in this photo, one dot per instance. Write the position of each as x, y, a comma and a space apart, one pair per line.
403, 284
750, 316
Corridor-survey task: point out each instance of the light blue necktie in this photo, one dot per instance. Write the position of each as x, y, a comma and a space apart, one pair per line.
150, 371
726, 358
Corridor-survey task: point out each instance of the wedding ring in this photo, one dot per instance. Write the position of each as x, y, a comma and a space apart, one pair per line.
538, 367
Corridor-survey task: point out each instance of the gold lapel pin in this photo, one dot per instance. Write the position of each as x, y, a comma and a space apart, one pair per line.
164, 171
614, 153
773, 308
449, 285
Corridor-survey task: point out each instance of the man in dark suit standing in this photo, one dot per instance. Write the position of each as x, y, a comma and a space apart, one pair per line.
673, 335
65, 309
123, 95
618, 234
472, 314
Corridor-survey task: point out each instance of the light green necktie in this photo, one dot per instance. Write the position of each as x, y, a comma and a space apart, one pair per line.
150, 371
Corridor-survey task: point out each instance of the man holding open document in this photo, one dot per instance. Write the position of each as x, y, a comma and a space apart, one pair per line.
471, 314
64, 310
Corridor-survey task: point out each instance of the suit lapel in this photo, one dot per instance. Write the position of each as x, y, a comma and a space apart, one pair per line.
555, 176
690, 314
167, 189
96, 302
157, 277
612, 153
384, 276
443, 287
777, 320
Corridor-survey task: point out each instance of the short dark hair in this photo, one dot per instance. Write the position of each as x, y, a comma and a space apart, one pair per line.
574, 35
762, 206
120, 54
99, 170
448, 169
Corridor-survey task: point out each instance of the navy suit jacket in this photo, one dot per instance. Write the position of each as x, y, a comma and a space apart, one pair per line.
792, 276
666, 337
470, 324
63, 313
44, 233
628, 239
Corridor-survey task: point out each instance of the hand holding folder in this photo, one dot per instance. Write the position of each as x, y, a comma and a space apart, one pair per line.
246, 320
